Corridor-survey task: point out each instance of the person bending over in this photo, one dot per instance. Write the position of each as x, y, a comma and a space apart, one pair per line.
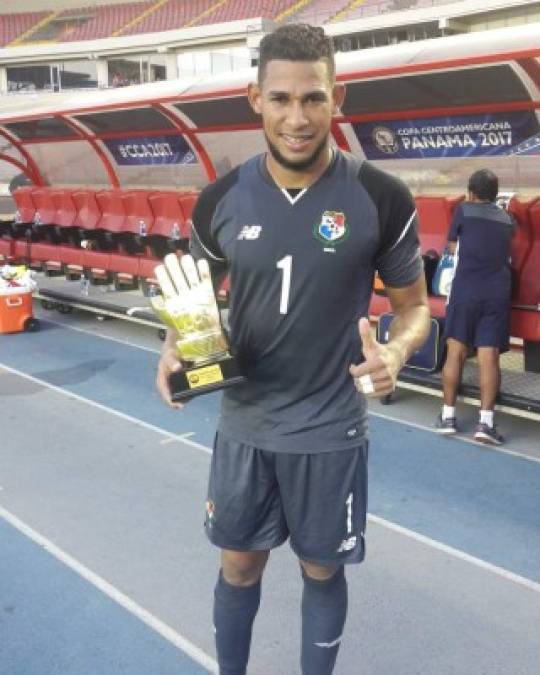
478, 311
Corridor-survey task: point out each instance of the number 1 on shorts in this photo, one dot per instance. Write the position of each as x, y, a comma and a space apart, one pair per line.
349, 502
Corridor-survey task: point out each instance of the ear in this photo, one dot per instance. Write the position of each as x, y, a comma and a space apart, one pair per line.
254, 97
338, 95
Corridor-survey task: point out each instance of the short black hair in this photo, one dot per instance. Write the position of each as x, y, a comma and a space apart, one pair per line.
484, 185
296, 42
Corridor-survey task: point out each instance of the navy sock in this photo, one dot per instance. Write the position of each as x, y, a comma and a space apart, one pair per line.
235, 608
324, 609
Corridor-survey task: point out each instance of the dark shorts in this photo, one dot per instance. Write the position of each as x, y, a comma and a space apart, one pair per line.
479, 324
257, 499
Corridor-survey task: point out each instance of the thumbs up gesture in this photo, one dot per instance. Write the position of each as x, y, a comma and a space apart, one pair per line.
377, 376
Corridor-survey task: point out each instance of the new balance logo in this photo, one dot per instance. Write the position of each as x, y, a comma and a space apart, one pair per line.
347, 545
250, 232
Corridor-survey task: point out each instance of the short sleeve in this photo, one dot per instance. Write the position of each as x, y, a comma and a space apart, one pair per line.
398, 259
453, 232
203, 243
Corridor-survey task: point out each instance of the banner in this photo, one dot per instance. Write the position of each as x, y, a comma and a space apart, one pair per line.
458, 136
151, 150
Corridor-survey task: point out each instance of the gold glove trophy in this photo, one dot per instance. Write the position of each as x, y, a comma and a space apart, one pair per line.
188, 305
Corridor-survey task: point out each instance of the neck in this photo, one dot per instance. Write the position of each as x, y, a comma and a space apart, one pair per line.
474, 198
285, 177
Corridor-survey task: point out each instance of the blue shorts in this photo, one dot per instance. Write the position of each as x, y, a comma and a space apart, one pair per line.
258, 499
479, 323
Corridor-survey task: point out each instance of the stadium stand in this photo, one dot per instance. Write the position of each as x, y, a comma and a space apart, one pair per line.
96, 22
318, 11
362, 8
245, 9
141, 16
13, 26
172, 14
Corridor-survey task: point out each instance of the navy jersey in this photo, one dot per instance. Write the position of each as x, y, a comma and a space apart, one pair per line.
484, 232
301, 273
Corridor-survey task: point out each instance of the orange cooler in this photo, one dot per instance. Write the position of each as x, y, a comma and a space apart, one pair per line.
16, 311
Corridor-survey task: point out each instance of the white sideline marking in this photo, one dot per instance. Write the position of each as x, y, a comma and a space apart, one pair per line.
416, 425
456, 553
458, 437
500, 571
105, 587
87, 331
112, 411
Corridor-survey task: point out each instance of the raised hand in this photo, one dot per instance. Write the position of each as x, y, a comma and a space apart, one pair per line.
377, 375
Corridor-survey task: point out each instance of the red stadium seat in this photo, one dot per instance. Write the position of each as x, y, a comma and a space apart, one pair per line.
125, 270
379, 304
17, 23
47, 256
525, 324
97, 265
169, 219
522, 241
102, 21
21, 250
528, 281
45, 207
125, 264
6, 250
139, 215
187, 204
437, 305
138, 223
88, 211
147, 277
113, 215
171, 14
26, 209
72, 256
57, 259
146, 268
66, 211
434, 217
224, 290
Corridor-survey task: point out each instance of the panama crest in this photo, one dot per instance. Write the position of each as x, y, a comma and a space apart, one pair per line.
332, 229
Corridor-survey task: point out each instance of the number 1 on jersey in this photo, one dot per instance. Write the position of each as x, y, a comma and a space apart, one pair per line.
285, 264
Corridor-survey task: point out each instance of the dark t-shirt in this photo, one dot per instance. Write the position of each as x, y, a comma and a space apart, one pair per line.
484, 232
301, 273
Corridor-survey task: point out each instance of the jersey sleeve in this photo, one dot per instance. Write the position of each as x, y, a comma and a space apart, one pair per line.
453, 232
398, 259
203, 242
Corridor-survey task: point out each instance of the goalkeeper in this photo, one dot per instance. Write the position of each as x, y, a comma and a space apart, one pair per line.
301, 229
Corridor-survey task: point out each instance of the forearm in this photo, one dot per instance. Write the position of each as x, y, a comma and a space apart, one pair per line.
408, 331
171, 338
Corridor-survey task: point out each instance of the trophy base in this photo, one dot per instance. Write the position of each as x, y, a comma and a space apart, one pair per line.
201, 379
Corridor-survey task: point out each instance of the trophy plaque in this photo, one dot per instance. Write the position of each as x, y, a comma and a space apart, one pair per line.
188, 305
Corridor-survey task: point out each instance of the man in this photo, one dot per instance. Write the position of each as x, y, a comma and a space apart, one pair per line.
478, 311
301, 229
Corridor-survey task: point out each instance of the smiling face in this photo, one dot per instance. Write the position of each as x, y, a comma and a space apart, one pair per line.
296, 100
